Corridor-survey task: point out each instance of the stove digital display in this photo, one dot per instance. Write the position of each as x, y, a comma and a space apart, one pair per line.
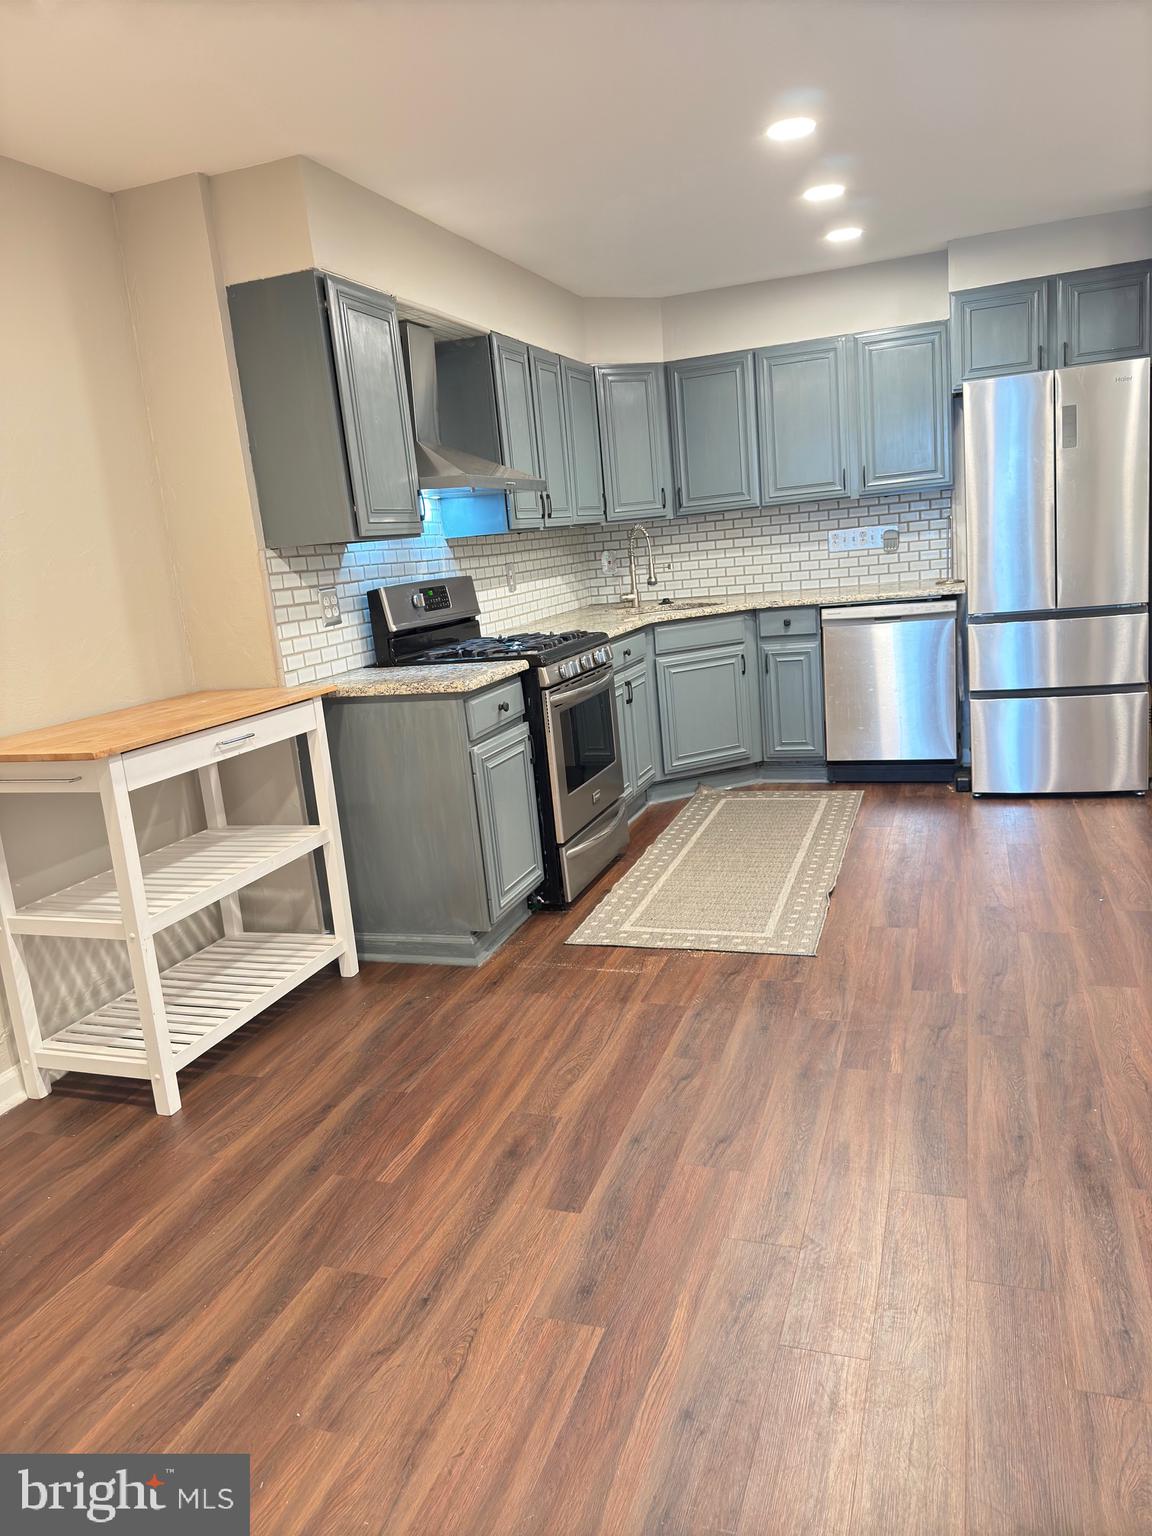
435, 598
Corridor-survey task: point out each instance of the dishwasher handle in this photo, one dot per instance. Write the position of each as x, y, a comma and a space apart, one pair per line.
891, 612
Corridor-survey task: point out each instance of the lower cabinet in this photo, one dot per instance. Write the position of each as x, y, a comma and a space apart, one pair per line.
793, 699
708, 713
637, 722
509, 821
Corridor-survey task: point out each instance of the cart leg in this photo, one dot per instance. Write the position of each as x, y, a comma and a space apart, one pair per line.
215, 816
321, 765
138, 935
18, 990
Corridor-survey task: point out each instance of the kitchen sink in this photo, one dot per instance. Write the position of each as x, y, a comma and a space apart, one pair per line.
669, 605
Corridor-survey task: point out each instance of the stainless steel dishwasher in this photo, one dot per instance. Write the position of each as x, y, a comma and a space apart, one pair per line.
890, 691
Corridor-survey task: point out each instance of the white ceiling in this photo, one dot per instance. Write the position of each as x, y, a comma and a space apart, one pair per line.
614, 146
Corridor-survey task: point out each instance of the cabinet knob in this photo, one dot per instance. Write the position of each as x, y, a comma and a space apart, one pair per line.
503, 707
628, 652
787, 623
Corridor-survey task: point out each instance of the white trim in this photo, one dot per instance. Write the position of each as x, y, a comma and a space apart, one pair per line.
11, 1089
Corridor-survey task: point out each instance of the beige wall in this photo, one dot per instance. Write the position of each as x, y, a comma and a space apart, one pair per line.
800, 308
89, 611
623, 331
1043, 249
185, 356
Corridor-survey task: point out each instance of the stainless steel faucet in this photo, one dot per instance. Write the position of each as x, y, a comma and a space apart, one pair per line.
633, 596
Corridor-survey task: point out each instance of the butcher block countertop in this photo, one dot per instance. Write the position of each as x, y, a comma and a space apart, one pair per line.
123, 730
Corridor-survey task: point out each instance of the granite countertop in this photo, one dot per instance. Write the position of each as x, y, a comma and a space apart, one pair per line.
615, 619
448, 680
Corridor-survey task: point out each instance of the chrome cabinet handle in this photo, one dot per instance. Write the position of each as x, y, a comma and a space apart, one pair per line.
234, 741
41, 778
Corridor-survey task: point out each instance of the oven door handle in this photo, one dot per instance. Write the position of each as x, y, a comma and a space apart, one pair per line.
576, 693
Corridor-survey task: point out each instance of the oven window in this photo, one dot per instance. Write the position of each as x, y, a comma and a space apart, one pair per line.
587, 740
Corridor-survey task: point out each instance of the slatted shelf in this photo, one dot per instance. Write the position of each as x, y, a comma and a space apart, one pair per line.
178, 880
206, 997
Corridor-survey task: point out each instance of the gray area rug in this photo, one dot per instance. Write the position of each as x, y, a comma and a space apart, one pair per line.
748, 871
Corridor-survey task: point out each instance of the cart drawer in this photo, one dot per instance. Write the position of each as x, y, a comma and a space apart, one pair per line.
167, 759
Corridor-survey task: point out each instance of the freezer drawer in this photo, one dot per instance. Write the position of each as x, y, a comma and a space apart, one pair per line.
1072, 743
1093, 651
890, 683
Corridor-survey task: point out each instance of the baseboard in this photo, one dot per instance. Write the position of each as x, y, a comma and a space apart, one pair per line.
440, 948
732, 778
11, 1089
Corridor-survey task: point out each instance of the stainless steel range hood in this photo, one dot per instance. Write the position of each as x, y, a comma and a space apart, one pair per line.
440, 467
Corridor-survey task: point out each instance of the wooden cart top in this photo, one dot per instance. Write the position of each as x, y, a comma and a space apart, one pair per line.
123, 730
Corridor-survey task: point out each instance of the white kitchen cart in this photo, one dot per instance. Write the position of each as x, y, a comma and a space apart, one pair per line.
170, 1017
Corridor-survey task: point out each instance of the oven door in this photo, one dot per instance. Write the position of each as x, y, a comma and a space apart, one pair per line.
583, 746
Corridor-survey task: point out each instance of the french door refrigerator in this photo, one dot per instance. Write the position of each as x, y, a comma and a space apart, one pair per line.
1056, 492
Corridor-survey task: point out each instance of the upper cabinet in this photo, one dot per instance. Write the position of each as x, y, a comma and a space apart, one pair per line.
802, 394
326, 405
902, 390
552, 434
516, 414
1002, 329
634, 436
1105, 314
1098, 316
714, 453
587, 471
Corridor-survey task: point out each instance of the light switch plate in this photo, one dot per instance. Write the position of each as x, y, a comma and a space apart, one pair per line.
879, 536
330, 607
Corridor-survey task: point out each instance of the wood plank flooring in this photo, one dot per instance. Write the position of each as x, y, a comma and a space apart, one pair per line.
622, 1241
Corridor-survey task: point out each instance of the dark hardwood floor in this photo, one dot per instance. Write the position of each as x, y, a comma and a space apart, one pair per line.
598, 1240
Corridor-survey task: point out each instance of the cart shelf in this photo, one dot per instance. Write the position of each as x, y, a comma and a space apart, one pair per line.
178, 880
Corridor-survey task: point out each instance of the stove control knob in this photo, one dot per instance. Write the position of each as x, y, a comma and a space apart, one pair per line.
603, 655
418, 600
586, 662
569, 669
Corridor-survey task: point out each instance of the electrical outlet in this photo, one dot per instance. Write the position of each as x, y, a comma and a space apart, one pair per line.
607, 562
510, 577
841, 540
330, 607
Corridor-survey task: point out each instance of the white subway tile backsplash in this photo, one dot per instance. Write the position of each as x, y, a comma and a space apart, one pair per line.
523, 578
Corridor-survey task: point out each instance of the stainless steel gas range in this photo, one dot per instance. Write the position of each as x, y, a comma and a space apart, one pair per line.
571, 705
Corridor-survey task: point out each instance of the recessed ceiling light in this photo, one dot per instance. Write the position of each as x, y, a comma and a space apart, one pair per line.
825, 193
845, 232
790, 128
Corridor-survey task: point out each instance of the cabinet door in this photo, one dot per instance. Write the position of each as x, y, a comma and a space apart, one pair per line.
624, 725
1105, 314
551, 434
1001, 329
374, 407
634, 436
641, 726
803, 405
516, 414
793, 700
509, 821
586, 475
714, 459
705, 709
904, 404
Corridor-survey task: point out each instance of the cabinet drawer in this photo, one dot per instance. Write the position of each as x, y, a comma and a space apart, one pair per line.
630, 649
497, 706
691, 634
147, 765
788, 622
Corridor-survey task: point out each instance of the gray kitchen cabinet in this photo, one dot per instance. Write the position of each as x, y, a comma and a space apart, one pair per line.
552, 436
634, 438
326, 407
708, 716
793, 697
715, 462
1000, 329
802, 394
509, 821
516, 414
1105, 314
441, 863
903, 401
635, 714
586, 476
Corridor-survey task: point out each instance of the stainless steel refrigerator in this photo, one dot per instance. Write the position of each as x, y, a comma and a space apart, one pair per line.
1056, 497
